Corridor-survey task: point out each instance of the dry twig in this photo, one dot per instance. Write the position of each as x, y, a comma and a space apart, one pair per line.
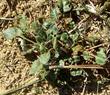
79, 66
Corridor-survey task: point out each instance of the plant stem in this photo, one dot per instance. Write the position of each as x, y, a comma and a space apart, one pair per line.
28, 40
84, 88
97, 46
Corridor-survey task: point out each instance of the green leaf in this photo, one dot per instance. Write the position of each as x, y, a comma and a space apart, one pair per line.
72, 24
42, 47
11, 33
86, 55
64, 37
36, 67
41, 35
19, 32
76, 73
57, 54
51, 27
44, 58
61, 63
54, 30
64, 5
54, 14
100, 57
100, 61
74, 37
34, 25
48, 24
76, 59
60, 4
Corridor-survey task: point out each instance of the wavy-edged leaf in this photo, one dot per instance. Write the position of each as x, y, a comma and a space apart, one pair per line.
76, 73
86, 55
100, 57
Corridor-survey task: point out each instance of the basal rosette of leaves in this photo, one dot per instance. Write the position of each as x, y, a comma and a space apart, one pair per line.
53, 44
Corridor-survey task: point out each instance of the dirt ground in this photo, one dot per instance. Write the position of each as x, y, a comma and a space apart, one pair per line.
14, 67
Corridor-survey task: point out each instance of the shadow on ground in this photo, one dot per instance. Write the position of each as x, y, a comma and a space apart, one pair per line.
70, 85
97, 81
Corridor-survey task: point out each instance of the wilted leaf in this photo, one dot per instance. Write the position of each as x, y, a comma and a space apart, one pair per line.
101, 57
77, 48
93, 36
44, 58
11, 33
36, 67
68, 20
